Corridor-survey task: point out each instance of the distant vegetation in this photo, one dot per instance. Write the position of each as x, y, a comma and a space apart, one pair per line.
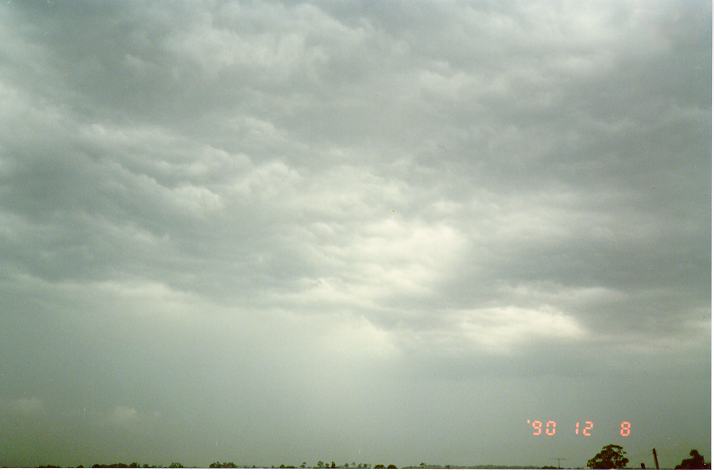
613, 456
123, 465
695, 462
610, 456
318, 464
223, 465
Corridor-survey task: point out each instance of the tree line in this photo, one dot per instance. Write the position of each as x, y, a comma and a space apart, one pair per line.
610, 457
614, 457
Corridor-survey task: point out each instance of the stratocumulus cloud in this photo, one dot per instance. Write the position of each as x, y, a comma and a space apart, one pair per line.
376, 207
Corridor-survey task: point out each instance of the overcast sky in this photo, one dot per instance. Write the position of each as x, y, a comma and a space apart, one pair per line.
381, 232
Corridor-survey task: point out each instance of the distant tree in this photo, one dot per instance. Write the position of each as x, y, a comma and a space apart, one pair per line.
175, 465
611, 456
379, 465
391, 465
332, 464
695, 462
320, 464
303, 465
223, 465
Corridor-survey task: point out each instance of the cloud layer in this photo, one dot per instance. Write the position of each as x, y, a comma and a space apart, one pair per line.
413, 194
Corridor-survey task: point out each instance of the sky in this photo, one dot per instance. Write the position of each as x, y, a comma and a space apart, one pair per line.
375, 232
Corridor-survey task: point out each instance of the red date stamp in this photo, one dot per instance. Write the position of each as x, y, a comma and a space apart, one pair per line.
549, 428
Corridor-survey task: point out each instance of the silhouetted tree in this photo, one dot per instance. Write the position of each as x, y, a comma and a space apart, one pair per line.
379, 465
320, 464
696, 462
391, 465
611, 456
223, 465
175, 465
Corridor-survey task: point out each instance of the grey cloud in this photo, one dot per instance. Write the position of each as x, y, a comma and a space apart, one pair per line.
203, 204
